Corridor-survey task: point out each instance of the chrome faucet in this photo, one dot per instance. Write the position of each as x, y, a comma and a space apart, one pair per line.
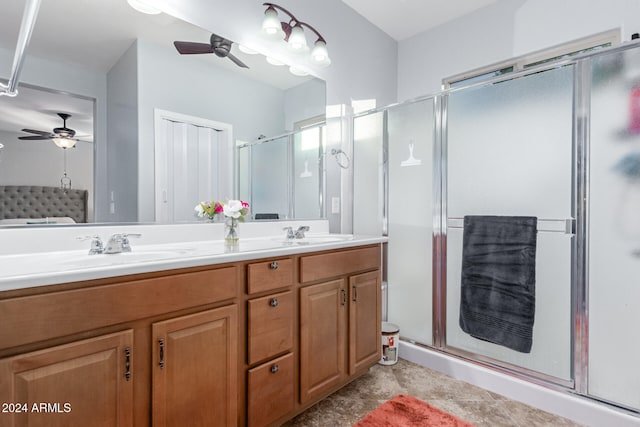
119, 242
290, 234
298, 234
96, 244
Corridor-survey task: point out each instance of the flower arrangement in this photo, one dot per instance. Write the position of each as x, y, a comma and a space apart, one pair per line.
208, 209
236, 209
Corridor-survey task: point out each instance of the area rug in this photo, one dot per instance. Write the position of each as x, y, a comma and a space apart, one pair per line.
407, 411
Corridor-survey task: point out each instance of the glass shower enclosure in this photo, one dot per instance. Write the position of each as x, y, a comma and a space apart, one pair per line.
283, 177
559, 143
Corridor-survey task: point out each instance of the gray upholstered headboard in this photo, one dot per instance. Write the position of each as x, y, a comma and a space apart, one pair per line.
26, 201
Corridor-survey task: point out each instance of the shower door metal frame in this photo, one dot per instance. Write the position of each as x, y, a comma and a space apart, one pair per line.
441, 220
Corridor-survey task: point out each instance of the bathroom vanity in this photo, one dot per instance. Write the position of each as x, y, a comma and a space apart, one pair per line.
248, 339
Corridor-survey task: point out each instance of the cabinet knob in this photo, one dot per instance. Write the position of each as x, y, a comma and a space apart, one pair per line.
274, 265
274, 302
275, 368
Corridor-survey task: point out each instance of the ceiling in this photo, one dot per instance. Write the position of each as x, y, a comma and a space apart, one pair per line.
402, 19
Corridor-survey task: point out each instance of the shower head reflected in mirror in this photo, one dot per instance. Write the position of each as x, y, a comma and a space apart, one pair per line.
341, 158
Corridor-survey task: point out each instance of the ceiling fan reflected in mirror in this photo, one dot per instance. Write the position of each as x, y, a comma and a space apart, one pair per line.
63, 137
218, 45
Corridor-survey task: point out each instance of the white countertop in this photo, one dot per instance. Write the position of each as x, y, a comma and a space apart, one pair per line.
18, 271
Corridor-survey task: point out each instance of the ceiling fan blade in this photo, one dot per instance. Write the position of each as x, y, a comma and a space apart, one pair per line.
39, 132
237, 61
34, 138
190, 48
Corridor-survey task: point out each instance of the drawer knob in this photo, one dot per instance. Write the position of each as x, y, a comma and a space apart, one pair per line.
274, 302
275, 368
274, 265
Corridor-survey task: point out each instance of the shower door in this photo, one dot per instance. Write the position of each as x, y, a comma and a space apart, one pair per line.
614, 229
509, 152
410, 220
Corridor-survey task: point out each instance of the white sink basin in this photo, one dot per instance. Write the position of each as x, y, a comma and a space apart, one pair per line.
102, 260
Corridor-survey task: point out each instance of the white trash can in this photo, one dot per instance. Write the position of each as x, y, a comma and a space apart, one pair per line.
390, 338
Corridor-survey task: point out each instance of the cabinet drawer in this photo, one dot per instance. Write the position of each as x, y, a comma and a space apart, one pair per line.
334, 264
269, 275
270, 391
95, 307
270, 326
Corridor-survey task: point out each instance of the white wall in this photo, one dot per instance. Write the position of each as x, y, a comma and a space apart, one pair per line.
304, 101
187, 85
504, 30
122, 121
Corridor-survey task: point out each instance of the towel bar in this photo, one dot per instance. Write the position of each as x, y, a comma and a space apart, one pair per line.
564, 225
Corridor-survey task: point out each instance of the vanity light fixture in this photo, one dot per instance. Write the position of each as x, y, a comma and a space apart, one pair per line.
144, 6
293, 33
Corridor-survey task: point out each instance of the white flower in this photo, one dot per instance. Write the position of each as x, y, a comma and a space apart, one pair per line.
232, 208
199, 210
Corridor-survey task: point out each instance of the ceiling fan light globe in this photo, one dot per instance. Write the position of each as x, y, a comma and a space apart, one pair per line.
64, 142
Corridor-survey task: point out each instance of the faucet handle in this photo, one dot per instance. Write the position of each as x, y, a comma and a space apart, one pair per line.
126, 246
289, 230
96, 244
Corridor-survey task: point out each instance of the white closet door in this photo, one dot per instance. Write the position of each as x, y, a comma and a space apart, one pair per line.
187, 165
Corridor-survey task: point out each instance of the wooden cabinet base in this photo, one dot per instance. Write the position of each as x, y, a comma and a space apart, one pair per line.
251, 342
85, 383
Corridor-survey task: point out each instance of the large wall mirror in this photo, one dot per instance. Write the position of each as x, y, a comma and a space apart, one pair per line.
155, 129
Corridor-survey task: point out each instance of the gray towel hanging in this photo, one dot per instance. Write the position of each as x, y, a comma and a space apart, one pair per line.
497, 301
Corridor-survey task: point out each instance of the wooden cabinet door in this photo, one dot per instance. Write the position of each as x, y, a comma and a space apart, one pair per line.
322, 338
194, 375
365, 313
84, 383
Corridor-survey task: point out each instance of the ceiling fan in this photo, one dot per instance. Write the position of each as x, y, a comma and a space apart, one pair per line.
63, 136
218, 45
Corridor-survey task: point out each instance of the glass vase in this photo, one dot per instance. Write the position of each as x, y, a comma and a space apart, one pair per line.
231, 226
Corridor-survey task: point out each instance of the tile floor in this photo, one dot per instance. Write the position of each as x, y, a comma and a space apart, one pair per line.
471, 403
